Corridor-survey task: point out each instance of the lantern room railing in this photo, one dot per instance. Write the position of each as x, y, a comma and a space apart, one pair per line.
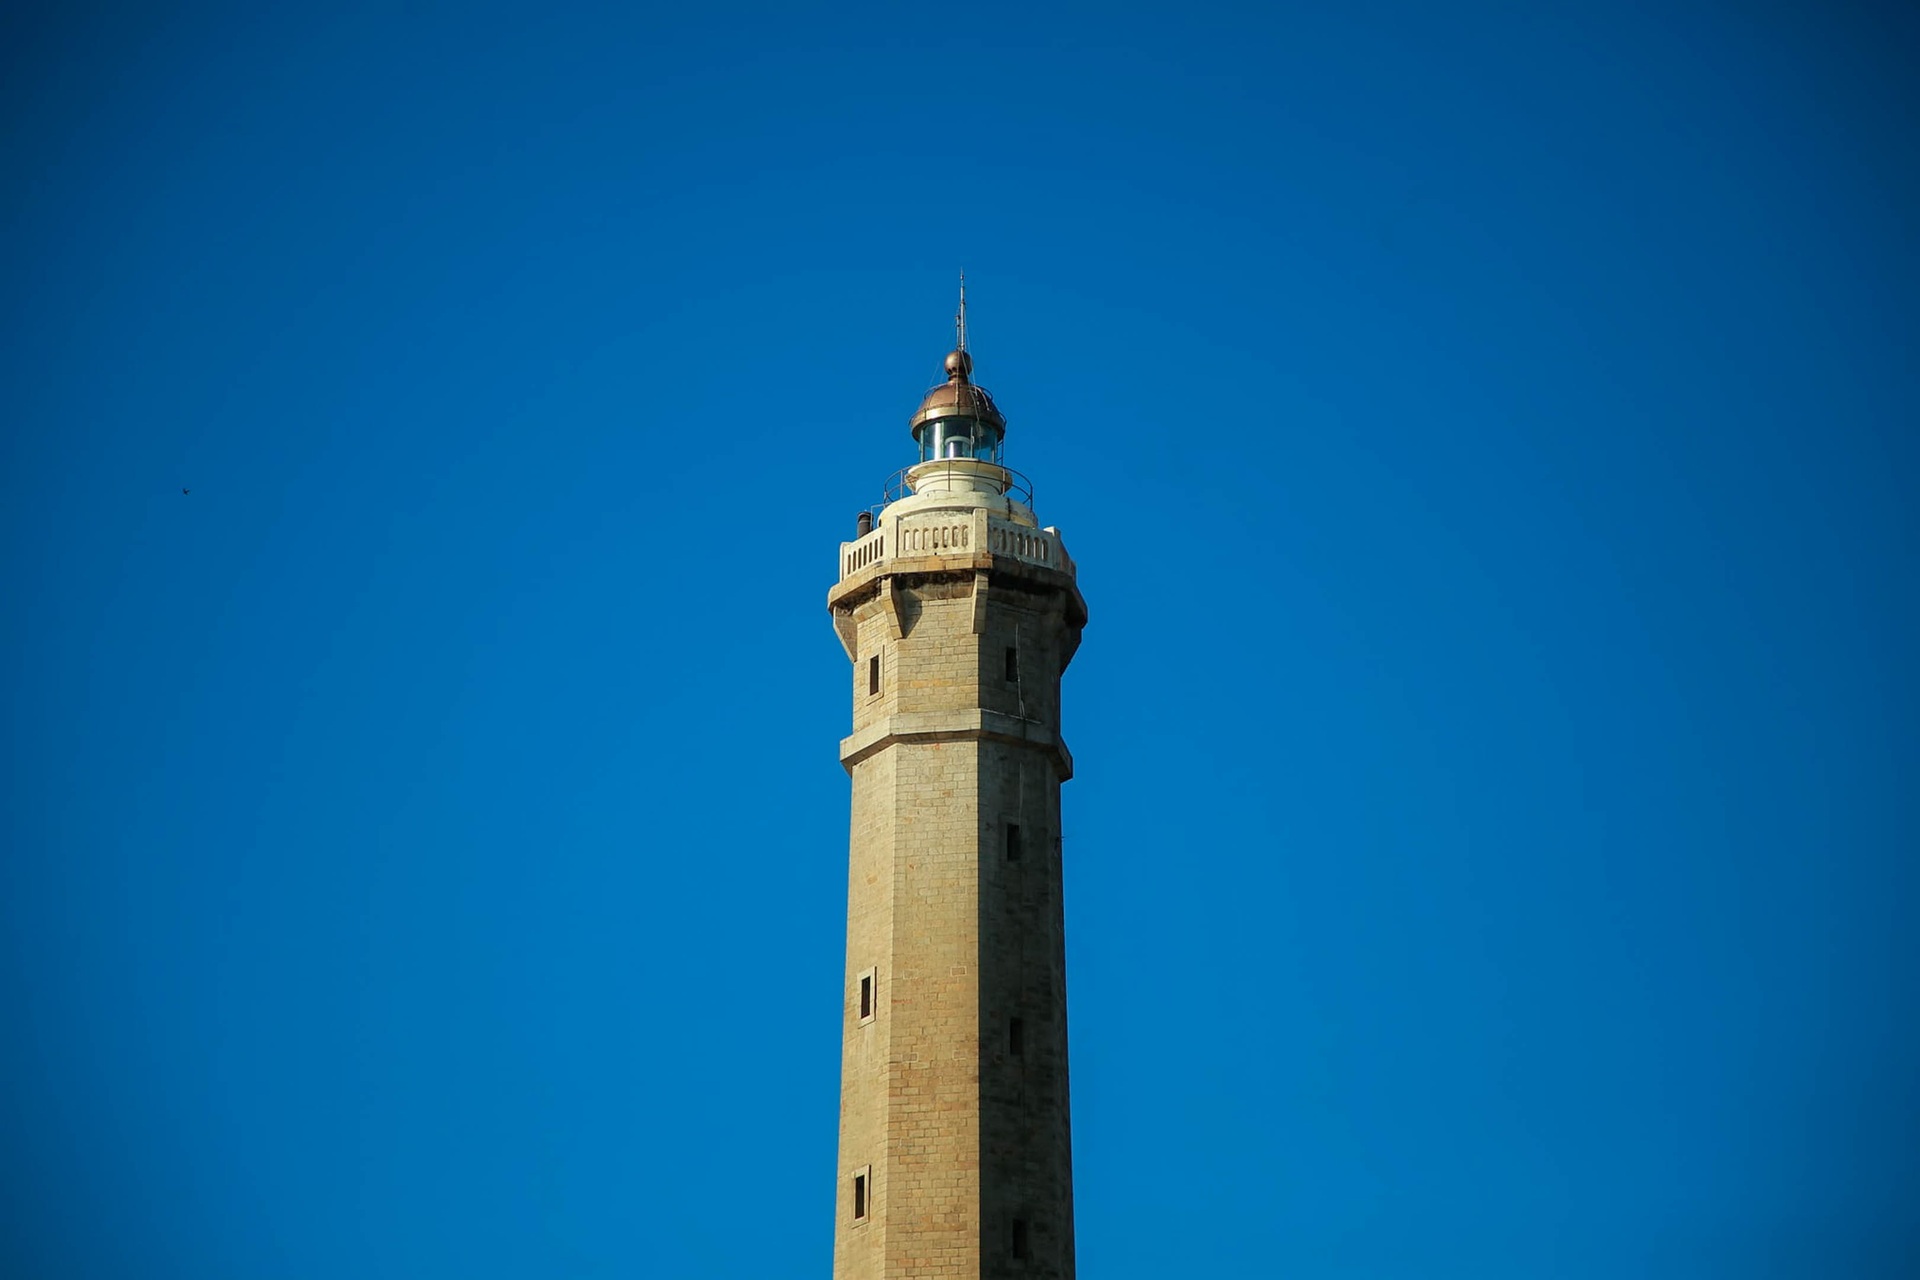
1018, 487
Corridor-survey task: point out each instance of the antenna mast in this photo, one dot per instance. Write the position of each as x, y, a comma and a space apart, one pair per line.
960, 318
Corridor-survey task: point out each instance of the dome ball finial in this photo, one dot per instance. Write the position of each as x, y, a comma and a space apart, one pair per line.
959, 365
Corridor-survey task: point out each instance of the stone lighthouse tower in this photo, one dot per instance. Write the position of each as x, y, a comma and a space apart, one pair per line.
959, 613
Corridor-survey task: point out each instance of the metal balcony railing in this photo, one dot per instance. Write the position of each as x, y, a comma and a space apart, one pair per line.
1018, 487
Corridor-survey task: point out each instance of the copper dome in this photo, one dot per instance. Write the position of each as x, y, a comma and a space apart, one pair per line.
958, 397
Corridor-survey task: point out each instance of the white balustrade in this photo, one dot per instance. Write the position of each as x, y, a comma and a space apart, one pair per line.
855, 556
939, 534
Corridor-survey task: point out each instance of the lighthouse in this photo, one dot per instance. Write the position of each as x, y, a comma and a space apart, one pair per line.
959, 614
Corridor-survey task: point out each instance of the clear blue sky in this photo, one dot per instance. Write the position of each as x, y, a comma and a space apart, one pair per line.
1488, 437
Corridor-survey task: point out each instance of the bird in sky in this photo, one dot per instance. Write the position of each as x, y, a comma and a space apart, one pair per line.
185, 491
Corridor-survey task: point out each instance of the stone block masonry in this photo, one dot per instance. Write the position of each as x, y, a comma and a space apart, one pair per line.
955, 1146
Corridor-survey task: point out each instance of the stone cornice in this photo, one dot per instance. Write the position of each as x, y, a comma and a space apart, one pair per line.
971, 724
864, 584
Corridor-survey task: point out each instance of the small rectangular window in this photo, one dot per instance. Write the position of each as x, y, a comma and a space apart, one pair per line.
1013, 842
1020, 1237
873, 675
1016, 1037
869, 995
860, 1205
1013, 665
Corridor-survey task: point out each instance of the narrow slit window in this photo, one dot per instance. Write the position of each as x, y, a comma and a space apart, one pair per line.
860, 1205
1013, 842
1016, 1037
873, 675
1020, 1237
869, 1002
1013, 665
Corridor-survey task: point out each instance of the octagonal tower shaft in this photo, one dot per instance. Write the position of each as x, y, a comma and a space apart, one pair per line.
955, 1151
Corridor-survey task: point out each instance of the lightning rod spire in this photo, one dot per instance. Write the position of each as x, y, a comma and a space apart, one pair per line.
960, 317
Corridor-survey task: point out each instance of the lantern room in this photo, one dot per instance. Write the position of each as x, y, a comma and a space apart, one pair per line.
958, 421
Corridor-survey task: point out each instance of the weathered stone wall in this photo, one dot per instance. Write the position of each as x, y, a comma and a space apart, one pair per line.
860, 1251
1026, 1163
964, 1136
